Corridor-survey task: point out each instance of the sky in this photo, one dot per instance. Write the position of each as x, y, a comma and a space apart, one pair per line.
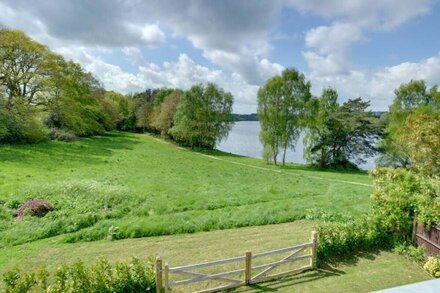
362, 48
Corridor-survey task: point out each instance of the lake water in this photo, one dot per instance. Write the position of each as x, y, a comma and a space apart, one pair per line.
244, 140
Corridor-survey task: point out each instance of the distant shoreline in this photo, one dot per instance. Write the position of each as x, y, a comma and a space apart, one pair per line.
245, 117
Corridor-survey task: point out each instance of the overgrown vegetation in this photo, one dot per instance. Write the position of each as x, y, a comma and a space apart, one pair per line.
102, 276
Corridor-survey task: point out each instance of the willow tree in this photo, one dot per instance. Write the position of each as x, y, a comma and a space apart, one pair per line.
283, 107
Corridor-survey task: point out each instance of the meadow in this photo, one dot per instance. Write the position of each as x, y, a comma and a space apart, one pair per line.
123, 185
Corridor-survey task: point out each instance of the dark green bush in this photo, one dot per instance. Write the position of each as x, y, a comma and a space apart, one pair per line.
136, 276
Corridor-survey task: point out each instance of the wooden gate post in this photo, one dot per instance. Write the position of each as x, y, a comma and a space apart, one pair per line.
314, 249
166, 280
248, 268
159, 275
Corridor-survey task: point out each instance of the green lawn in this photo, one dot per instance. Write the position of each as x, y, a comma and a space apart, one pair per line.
147, 187
362, 273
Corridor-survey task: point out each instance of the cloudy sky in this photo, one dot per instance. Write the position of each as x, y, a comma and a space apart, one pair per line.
363, 48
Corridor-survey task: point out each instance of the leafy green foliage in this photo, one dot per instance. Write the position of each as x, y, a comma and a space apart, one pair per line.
38, 86
411, 98
164, 118
136, 276
341, 239
400, 195
415, 253
282, 111
422, 140
204, 117
338, 135
20, 124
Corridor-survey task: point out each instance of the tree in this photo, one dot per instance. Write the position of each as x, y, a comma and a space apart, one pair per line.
422, 138
74, 106
25, 68
410, 98
321, 110
283, 104
164, 120
270, 116
203, 117
346, 133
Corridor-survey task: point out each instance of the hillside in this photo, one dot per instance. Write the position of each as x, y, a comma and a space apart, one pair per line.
132, 185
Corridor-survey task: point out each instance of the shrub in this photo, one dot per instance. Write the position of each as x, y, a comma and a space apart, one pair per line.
400, 195
432, 266
339, 239
136, 276
415, 253
35, 208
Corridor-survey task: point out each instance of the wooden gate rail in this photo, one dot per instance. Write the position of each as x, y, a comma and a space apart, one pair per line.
163, 282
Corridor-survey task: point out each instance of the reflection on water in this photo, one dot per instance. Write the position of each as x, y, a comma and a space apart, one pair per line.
243, 140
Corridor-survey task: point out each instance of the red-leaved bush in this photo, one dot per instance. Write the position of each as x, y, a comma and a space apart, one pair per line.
34, 207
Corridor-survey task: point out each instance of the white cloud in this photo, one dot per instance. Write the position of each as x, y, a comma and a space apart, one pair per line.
378, 14
152, 35
379, 86
234, 35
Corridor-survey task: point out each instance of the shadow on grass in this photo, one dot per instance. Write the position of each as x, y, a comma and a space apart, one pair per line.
293, 280
326, 269
353, 259
84, 150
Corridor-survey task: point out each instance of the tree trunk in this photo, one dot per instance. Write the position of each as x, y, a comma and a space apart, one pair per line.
284, 155
275, 159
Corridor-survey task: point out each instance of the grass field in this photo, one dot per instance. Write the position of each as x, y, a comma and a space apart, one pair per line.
362, 273
143, 186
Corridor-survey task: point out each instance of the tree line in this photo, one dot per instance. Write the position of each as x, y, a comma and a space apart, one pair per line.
335, 135
44, 96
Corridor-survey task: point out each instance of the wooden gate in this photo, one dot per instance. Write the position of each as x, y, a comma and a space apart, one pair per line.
247, 274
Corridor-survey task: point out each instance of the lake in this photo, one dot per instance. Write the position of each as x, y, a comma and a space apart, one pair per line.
243, 140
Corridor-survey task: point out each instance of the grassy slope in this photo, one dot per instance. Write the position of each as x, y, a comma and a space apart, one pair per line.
371, 271
147, 187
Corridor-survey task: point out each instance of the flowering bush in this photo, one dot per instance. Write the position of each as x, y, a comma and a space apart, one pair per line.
34, 207
432, 266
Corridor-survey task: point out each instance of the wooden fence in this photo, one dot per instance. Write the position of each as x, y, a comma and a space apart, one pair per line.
295, 253
429, 238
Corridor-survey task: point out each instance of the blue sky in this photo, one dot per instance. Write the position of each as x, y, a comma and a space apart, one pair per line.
362, 48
